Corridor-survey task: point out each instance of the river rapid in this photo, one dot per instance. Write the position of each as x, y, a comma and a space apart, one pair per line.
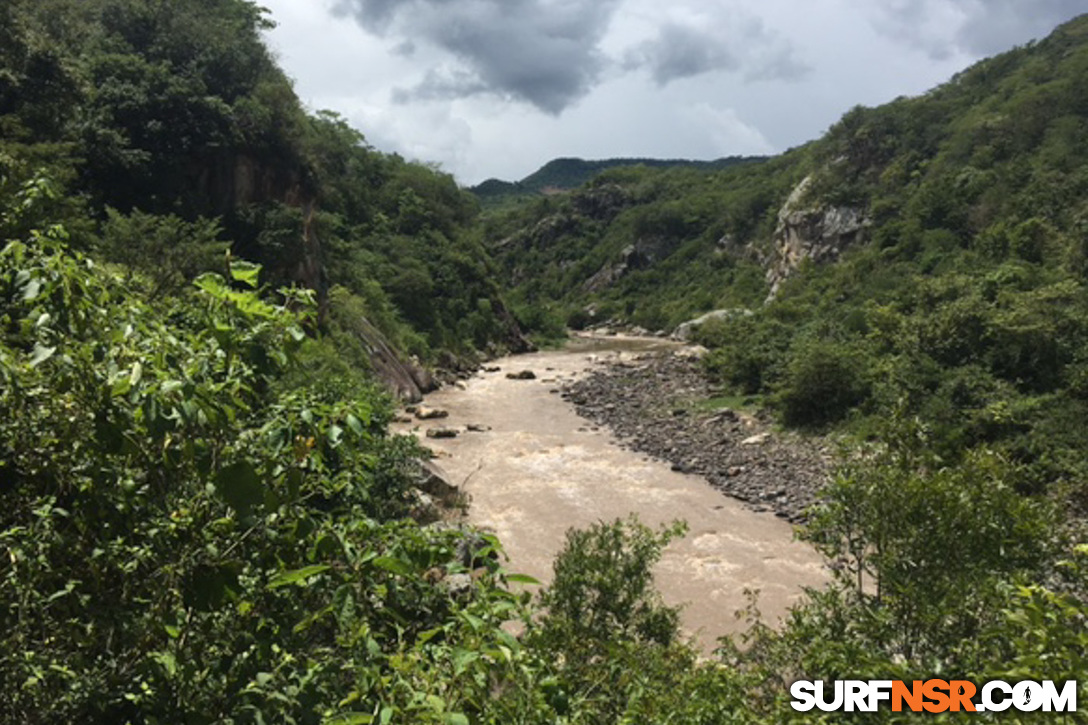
538, 469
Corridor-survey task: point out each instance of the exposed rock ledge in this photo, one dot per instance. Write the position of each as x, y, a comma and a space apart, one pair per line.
404, 378
819, 233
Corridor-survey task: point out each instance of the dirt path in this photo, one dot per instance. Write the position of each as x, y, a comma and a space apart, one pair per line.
541, 469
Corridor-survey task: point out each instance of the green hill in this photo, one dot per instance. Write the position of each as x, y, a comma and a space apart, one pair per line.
159, 115
570, 173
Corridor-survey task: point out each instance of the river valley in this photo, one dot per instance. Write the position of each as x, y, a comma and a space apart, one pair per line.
533, 468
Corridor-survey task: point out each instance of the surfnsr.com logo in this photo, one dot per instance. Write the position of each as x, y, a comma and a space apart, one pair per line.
933, 696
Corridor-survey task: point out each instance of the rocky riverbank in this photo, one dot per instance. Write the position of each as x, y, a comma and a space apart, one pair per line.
653, 406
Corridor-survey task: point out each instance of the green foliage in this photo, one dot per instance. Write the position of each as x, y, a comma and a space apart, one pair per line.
822, 383
173, 114
188, 539
923, 544
658, 245
1041, 632
616, 648
566, 174
170, 252
746, 354
203, 517
603, 586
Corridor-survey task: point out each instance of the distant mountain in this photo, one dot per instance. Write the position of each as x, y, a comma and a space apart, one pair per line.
570, 173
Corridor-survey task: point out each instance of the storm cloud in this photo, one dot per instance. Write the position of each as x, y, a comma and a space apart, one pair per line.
545, 52
681, 51
975, 27
495, 88
548, 52
686, 50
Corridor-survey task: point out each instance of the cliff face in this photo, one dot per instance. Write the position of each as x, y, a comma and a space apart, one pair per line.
403, 378
231, 180
811, 230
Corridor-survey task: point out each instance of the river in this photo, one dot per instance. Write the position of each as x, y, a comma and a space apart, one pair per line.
540, 469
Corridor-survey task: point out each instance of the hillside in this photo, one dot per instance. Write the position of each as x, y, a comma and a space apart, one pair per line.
172, 131
570, 173
925, 257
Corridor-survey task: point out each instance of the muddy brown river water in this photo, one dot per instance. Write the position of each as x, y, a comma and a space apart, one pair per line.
542, 469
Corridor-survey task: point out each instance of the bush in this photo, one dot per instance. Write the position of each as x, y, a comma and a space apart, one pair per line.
927, 546
167, 250
190, 537
823, 382
603, 586
747, 353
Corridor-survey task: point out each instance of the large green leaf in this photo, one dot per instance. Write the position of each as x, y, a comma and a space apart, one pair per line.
296, 576
245, 272
350, 718
395, 566
240, 486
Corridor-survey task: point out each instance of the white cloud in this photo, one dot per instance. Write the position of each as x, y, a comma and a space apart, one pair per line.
731, 135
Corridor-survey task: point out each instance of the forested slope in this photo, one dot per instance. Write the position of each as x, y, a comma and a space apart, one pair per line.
566, 174
999, 145
172, 132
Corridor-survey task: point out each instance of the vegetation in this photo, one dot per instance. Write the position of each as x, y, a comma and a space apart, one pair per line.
154, 116
652, 247
566, 174
962, 303
943, 348
966, 307
204, 518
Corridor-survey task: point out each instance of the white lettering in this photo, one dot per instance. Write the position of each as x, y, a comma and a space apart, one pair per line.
993, 703
1027, 696
822, 703
879, 691
1065, 701
804, 698
855, 696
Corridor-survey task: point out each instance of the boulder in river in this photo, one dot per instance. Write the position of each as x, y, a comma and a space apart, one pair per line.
433, 480
523, 375
431, 413
443, 432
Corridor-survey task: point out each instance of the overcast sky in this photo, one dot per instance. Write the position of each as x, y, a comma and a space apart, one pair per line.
498, 87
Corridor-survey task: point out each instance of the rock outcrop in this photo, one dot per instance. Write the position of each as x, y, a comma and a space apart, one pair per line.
403, 378
810, 230
644, 252
685, 330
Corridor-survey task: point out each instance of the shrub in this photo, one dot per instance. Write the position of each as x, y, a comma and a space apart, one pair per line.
823, 382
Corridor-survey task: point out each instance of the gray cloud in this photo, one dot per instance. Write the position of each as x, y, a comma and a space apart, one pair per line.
405, 49
684, 51
985, 27
681, 51
544, 52
442, 86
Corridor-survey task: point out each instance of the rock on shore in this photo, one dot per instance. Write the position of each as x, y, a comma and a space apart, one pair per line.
648, 405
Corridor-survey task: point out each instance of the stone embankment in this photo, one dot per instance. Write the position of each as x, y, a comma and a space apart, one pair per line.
653, 406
